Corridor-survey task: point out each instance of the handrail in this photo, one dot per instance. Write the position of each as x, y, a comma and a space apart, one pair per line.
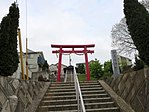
81, 107
65, 78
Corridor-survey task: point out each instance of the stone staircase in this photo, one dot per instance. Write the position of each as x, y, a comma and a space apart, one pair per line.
61, 97
96, 99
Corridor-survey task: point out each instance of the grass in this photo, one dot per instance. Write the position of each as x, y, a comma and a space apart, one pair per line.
82, 77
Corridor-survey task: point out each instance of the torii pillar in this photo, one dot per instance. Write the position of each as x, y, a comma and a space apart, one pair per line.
85, 51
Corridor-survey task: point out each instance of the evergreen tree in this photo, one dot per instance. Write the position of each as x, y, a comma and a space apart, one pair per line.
8, 42
45, 66
137, 19
81, 69
108, 67
96, 69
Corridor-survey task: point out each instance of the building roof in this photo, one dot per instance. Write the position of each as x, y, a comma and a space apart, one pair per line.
57, 64
32, 52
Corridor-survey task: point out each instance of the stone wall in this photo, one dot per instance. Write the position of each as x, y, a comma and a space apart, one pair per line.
133, 88
19, 95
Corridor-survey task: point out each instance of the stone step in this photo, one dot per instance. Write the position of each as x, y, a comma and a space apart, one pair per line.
59, 97
60, 93
69, 82
65, 111
88, 82
66, 101
61, 90
85, 81
91, 89
59, 102
110, 109
92, 100
95, 95
93, 92
73, 93
90, 86
84, 87
61, 87
62, 84
99, 105
72, 83
81, 84
46, 110
60, 107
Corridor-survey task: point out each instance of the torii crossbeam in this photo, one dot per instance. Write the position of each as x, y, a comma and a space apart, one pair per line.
72, 47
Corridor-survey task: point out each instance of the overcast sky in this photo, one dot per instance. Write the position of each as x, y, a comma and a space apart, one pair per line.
68, 22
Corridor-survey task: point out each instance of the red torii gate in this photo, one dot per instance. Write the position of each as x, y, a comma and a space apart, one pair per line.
61, 51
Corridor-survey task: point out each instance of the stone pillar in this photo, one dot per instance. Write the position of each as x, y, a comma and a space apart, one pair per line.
115, 66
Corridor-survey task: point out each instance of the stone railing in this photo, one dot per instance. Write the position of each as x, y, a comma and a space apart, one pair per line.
133, 88
19, 95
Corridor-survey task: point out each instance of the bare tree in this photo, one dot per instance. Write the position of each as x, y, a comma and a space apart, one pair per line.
121, 39
146, 4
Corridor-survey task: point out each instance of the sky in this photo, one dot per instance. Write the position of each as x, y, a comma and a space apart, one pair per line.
70, 22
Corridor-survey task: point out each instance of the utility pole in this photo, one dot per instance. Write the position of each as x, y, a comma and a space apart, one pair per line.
21, 56
26, 59
26, 46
